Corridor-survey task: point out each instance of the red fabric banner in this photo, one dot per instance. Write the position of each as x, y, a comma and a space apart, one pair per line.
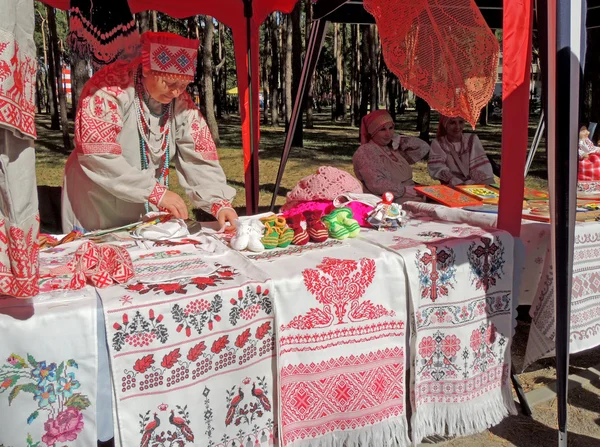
516, 67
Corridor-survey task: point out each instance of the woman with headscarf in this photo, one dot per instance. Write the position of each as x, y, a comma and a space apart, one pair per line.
457, 158
133, 120
382, 162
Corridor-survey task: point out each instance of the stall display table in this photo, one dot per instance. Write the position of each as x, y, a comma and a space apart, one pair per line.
253, 343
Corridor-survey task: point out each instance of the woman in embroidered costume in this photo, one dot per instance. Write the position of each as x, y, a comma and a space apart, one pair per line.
457, 158
133, 119
382, 162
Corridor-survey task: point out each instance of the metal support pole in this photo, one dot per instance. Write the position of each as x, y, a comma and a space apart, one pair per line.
313, 49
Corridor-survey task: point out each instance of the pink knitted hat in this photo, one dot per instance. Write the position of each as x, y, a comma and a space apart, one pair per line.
326, 184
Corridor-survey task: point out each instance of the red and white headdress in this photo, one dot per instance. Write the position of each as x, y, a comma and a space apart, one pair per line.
169, 55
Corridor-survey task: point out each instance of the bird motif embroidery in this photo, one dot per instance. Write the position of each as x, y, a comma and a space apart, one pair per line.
260, 395
149, 430
181, 424
233, 407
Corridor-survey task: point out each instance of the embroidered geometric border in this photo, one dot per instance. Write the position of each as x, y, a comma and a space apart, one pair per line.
461, 390
344, 393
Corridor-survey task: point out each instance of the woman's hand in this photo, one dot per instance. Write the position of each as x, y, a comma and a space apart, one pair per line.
174, 205
227, 215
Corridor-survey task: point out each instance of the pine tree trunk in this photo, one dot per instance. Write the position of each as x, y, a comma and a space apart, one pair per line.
79, 76
309, 97
365, 75
62, 100
274, 73
343, 74
207, 66
355, 70
297, 141
221, 88
143, 20
335, 106
391, 93
51, 80
287, 91
423, 118
265, 66
591, 85
483, 117
374, 56
38, 92
154, 22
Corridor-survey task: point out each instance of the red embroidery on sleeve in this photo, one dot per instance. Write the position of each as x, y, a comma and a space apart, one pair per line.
217, 206
157, 193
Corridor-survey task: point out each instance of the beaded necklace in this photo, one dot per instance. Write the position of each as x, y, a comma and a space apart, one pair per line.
144, 131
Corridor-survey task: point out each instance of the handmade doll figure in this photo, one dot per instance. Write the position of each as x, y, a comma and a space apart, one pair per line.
387, 215
589, 157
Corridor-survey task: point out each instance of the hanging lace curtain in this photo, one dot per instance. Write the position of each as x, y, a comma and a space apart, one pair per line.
442, 50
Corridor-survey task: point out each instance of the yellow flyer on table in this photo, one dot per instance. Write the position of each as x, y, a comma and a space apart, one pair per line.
486, 194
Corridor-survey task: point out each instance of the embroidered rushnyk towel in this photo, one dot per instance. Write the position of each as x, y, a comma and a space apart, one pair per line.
341, 317
460, 281
49, 369
193, 359
585, 299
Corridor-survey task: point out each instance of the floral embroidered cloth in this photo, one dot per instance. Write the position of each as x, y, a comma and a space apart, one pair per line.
536, 277
460, 283
341, 321
585, 299
48, 373
193, 360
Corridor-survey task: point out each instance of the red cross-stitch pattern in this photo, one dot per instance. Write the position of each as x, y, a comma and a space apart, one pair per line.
314, 395
98, 125
338, 285
17, 88
181, 61
20, 248
217, 206
157, 193
203, 141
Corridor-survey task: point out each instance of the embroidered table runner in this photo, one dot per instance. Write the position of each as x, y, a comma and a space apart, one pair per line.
48, 370
341, 315
460, 284
585, 296
193, 360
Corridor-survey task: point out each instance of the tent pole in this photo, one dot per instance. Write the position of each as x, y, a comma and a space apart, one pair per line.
313, 49
252, 197
567, 21
535, 143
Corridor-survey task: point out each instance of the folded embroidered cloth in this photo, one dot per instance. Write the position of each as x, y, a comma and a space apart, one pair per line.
173, 229
101, 265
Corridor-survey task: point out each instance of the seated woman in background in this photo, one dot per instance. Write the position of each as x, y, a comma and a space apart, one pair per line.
382, 162
457, 158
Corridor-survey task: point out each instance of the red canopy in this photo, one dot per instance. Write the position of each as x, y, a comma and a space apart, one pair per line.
244, 17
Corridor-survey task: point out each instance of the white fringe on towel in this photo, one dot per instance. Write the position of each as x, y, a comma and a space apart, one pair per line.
463, 419
392, 432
